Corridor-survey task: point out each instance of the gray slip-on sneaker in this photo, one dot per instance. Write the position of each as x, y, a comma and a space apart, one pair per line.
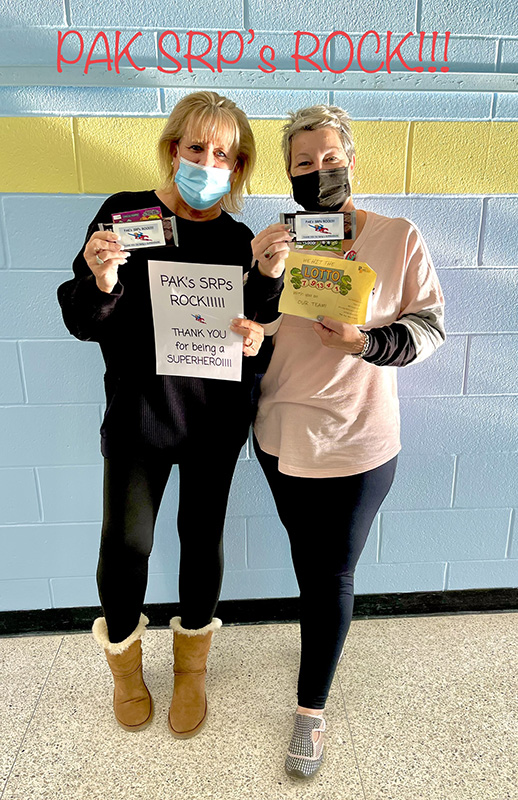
305, 756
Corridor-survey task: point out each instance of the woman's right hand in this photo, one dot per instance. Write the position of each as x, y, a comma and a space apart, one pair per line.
271, 248
104, 255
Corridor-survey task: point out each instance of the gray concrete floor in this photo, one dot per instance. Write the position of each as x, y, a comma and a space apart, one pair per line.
421, 709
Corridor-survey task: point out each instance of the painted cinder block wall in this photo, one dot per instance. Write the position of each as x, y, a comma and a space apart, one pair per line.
446, 160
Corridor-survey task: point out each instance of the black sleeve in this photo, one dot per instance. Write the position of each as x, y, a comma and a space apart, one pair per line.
390, 346
85, 308
261, 296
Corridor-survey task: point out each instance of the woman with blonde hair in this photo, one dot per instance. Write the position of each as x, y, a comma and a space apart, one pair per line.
327, 427
207, 154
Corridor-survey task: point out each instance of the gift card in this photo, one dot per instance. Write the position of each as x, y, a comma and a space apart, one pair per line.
321, 231
140, 234
319, 227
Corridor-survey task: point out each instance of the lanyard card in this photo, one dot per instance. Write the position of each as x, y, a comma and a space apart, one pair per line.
150, 233
321, 231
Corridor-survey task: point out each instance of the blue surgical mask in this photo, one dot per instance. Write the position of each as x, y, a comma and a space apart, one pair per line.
201, 187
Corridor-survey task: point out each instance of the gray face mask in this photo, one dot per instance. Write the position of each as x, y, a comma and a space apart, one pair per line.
322, 190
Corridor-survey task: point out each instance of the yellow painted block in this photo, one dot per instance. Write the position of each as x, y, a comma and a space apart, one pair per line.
450, 158
42, 154
270, 173
501, 173
37, 155
118, 153
380, 157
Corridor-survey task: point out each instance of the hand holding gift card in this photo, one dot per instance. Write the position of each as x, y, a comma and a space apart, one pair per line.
143, 227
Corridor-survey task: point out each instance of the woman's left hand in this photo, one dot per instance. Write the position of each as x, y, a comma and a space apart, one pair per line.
252, 333
339, 335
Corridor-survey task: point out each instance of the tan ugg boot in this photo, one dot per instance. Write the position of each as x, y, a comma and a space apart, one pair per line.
189, 704
132, 702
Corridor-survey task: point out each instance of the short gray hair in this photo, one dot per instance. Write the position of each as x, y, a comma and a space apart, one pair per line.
310, 119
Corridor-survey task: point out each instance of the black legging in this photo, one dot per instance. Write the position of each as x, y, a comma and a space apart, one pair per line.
328, 521
133, 490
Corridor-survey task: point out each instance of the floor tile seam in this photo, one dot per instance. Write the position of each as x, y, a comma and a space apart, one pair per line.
15, 759
337, 678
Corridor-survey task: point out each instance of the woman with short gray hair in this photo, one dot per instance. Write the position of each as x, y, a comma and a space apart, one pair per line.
327, 427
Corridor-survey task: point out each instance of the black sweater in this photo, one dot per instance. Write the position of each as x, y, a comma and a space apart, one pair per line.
164, 411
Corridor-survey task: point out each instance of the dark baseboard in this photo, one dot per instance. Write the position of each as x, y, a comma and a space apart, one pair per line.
263, 611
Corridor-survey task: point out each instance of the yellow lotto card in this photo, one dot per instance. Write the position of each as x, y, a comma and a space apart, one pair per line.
318, 286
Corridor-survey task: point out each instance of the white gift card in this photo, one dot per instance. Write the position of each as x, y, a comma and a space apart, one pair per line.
315, 227
140, 234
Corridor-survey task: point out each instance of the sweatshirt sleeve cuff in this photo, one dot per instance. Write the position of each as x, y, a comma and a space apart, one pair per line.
263, 284
262, 295
390, 346
101, 302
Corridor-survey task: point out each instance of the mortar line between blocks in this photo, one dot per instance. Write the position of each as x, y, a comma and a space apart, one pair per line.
22, 373
454, 481
246, 16
39, 493
510, 535
446, 576
32, 717
77, 157
51, 593
408, 158
4, 239
399, 31
493, 106
246, 543
53, 466
378, 545
68, 14
418, 14
155, 44
465, 375
48, 524
46, 405
351, 735
498, 55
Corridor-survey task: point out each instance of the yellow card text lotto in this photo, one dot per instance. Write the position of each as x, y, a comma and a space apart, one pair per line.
318, 286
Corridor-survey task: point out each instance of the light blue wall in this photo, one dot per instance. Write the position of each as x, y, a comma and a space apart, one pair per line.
450, 520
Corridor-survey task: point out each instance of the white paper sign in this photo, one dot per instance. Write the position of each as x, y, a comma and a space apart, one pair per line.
193, 305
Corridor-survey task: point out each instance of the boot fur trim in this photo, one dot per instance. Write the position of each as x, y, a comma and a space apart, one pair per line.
100, 632
176, 625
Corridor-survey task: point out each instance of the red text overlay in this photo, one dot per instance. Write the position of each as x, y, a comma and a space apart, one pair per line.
373, 52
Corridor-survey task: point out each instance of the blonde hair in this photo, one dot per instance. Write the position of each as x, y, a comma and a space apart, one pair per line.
312, 118
209, 114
